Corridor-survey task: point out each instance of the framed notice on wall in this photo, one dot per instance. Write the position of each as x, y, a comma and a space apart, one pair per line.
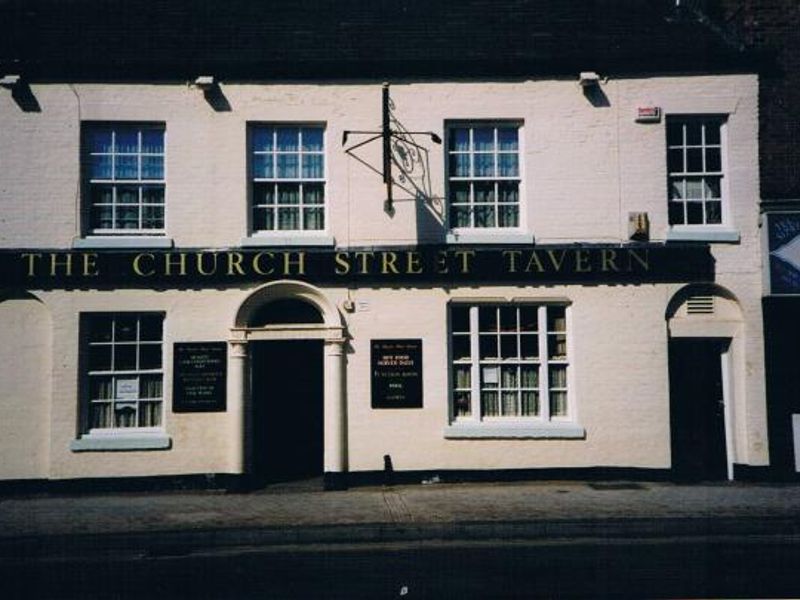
199, 376
396, 373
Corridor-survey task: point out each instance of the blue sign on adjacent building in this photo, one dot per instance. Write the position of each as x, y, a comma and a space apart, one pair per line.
784, 253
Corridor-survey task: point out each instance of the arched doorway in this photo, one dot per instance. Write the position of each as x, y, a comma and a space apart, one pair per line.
705, 346
288, 339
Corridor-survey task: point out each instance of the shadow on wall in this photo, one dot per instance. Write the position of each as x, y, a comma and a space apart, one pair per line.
23, 96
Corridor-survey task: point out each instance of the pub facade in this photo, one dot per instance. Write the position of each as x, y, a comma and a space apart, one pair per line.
469, 275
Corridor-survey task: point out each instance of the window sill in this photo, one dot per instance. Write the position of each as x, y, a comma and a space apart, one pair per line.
288, 239
493, 236
533, 431
93, 442
703, 234
132, 241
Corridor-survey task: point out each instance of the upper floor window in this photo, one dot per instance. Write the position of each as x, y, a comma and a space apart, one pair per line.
288, 178
483, 175
509, 361
695, 171
125, 179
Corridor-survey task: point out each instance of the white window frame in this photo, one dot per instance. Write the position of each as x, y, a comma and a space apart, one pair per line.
496, 234
120, 438
714, 232
542, 425
301, 235
136, 235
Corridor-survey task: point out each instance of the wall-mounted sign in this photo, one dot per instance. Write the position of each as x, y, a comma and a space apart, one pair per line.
199, 376
447, 265
784, 253
648, 114
396, 373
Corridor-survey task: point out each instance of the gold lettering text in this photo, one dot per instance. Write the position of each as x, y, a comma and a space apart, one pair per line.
644, 261
55, 263
608, 260
137, 264
257, 263
557, 262
32, 257
169, 263
235, 263
200, 257
342, 263
90, 264
413, 266
364, 257
511, 259
466, 256
582, 264
534, 261
299, 262
441, 262
388, 260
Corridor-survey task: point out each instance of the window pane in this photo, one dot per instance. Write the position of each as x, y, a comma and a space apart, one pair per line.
674, 133
99, 328
459, 318
676, 189
713, 160
100, 140
507, 138
529, 376
712, 187
102, 217
459, 192
263, 139
694, 132
462, 404
150, 327
127, 194
152, 167
558, 404
483, 138
153, 194
510, 408
530, 404
262, 166
263, 193
459, 165
529, 346
312, 139
152, 217
100, 415
509, 377
127, 217
508, 318
312, 166
508, 216
528, 318
484, 165
712, 133
490, 376
461, 347
488, 346
125, 328
100, 358
101, 167
487, 318
127, 141
558, 377
462, 377
263, 219
557, 346
125, 414
150, 386
675, 160
101, 387
713, 213
459, 216
694, 160
288, 219
314, 219
676, 216
556, 318
289, 193
508, 191
125, 357
150, 356
489, 405
152, 141
508, 165
484, 215
694, 188
459, 139
287, 166
508, 346
149, 414
288, 139
126, 167
694, 213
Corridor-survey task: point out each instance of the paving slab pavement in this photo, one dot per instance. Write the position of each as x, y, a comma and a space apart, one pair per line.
436, 508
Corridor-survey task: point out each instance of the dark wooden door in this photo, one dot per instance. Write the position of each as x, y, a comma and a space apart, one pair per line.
287, 392
697, 409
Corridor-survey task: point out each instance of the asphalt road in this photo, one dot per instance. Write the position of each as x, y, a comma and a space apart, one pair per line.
692, 566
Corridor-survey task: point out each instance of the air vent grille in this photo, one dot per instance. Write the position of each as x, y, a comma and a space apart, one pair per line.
700, 305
